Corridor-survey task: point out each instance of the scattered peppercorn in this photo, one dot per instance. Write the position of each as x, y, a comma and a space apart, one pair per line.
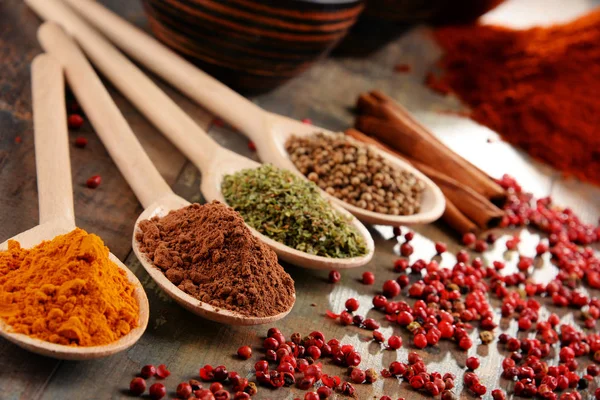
157, 391
137, 386
75, 121
334, 276
440, 247
472, 363
148, 371
469, 239
184, 390
352, 305
368, 278
244, 352
81, 142
94, 181
162, 372
394, 342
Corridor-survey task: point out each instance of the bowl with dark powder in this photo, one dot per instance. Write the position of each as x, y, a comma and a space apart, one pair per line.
216, 262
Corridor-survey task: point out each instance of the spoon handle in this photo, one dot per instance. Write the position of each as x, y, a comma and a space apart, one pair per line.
183, 75
159, 108
109, 123
53, 166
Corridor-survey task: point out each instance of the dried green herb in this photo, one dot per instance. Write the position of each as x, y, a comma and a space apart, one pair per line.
292, 211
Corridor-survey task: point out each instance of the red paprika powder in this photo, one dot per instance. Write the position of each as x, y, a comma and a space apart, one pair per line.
539, 88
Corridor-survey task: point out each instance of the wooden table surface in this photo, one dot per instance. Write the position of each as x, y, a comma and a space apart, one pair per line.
324, 94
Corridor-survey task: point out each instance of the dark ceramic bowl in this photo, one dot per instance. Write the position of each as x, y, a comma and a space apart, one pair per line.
435, 11
252, 45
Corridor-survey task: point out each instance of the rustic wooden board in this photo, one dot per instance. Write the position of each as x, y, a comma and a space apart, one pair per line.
185, 342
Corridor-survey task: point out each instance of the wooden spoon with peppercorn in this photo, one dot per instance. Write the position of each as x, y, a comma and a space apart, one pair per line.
57, 216
268, 131
211, 159
133, 162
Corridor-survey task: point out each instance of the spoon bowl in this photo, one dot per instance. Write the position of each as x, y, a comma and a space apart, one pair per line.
49, 231
160, 208
280, 129
135, 165
56, 208
268, 131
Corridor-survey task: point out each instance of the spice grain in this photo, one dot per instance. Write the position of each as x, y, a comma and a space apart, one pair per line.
356, 173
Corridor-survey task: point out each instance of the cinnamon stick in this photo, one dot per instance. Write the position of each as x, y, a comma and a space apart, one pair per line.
392, 124
457, 220
474, 211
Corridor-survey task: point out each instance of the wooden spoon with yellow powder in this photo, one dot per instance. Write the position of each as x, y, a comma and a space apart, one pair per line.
62, 293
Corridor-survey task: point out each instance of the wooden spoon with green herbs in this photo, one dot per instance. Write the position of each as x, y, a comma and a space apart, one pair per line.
214, 161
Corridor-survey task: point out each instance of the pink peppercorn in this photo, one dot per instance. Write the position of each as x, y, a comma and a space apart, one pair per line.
420, 341
400, 265
468, 239
368, 278
472, 363
334, 276
406, 249
379, 301
244, 352
394, 342
345, 318
157, 391
148, 371
311, 396
462, 256
465, 343
137, 386
481, 246
357, 375
352, 304
391, 288
75, 121
440, 247
370, 324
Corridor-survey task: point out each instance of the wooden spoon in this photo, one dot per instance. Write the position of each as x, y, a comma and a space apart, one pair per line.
135, 165
268, 131
57, 216
211, 159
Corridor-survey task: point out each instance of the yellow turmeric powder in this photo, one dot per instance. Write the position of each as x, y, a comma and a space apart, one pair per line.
66, 291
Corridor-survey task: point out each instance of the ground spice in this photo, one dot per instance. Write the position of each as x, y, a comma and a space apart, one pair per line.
291, 210
536, 87
209, 253
355, 173
66, 291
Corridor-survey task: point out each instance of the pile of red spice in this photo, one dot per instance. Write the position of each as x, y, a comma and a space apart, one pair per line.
536, 87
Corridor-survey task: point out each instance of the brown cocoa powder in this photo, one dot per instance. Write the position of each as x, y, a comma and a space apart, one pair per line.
209, 253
